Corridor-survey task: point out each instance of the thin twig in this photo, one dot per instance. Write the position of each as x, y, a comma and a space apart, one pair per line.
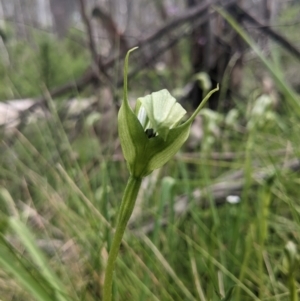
276, 36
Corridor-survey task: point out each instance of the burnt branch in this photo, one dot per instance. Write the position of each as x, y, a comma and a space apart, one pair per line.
111, 27
88, 26
96, 67
266, 29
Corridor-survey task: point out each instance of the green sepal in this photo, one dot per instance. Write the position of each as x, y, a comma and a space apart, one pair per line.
160, 151
131, 133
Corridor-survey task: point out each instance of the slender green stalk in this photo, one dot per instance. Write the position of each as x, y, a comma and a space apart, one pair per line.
292, 288
127, 205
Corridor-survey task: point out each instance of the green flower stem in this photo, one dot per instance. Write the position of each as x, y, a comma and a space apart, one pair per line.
127, 205
292, 288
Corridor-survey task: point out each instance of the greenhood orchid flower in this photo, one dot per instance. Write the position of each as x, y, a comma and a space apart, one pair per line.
159, 112
152, 134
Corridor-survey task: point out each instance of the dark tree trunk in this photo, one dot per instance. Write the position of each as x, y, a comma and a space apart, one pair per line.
213, 45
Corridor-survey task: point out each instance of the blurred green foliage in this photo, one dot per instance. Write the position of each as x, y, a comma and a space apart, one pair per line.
72, 185
45, 62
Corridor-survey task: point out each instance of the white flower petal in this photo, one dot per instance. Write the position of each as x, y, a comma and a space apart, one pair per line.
163, 111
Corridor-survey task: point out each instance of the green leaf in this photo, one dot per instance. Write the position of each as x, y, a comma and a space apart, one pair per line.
228, 294
13, 265
38, 258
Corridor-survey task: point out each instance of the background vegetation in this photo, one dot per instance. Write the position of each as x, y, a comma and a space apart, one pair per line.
59, 195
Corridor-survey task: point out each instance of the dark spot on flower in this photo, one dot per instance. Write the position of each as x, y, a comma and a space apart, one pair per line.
150, 133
